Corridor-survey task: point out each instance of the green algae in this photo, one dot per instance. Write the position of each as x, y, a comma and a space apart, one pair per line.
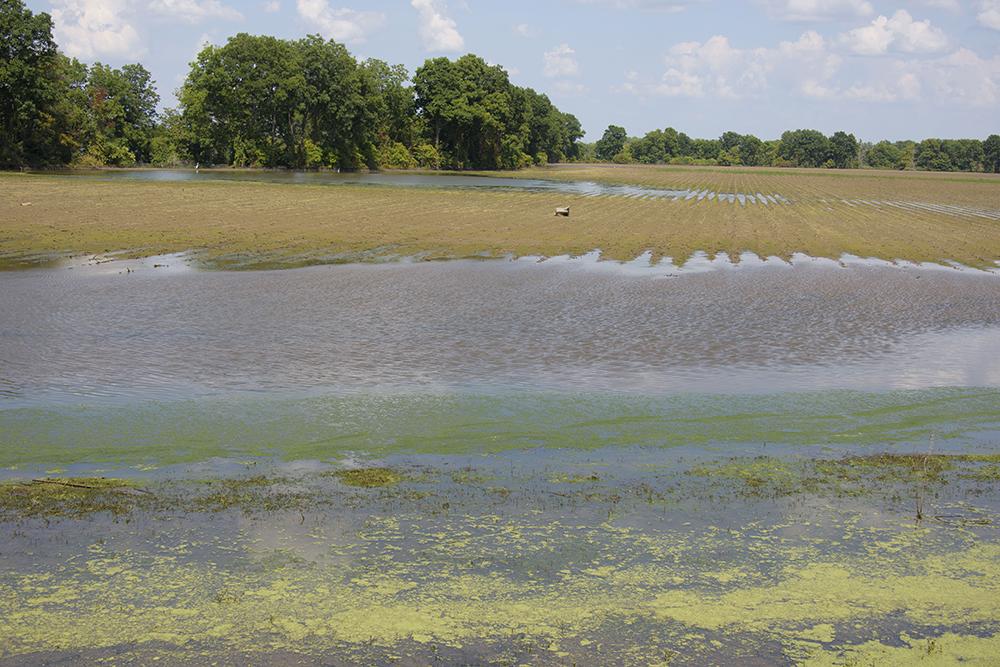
330, 426
540, 575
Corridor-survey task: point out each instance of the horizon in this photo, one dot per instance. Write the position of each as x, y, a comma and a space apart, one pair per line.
879, 70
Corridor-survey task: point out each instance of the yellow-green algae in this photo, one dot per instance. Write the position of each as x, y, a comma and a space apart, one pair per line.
125, 598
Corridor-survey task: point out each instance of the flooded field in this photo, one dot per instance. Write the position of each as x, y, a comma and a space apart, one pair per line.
697, 192
261, 219
503, 462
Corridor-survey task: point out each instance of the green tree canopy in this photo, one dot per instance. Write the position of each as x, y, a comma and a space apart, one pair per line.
611, 143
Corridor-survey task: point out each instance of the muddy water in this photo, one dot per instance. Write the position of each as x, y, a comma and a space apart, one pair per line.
471, 326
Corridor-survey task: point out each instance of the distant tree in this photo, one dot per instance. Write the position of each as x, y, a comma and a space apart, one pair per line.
964, 154
650, 148
572, 133
844, 150
751, 151
991, 153
729, 141
885, 155
705, 149
805, 148
611, 143
932, 156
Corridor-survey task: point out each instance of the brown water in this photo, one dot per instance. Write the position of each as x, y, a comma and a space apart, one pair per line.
457, 326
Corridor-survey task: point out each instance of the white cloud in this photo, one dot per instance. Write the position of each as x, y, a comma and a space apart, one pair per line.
344, 25
89, 28
272, 7
817, 10
194, 11
962, 78
716, 68
989, 14
438, 31
810, 67
560, 61
524, 30
900, 32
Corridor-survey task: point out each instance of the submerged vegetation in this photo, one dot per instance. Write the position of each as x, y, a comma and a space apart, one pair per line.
369, 477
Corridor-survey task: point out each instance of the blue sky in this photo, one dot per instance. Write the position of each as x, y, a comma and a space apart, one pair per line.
879, 69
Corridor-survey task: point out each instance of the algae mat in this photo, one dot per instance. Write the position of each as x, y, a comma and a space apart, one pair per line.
614, 557
257, 224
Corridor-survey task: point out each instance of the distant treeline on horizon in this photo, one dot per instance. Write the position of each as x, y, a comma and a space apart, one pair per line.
261, 101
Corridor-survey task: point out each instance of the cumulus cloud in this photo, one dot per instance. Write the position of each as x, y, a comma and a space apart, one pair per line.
716, 68
344, 25
989, 14
272, 7
560, 61
438, 31
900, 32
194, 11
817, 10
90, 28
811, 67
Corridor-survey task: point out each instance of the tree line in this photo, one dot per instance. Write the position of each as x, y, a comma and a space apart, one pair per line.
260, 101
795, 148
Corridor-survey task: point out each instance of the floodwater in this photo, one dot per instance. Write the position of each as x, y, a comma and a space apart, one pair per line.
460, 182
168, 333
589, 463
389, 179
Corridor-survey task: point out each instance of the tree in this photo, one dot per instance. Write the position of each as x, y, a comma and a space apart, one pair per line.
123, 110
751, 151
805, 148
885, 155
844, 150
931, 155
611, 143
28, 94
991, 153
729, 141
650, 149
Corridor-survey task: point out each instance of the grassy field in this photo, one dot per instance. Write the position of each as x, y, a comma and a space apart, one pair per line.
245, 224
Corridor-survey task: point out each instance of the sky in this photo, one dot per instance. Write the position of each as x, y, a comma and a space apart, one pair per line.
880, 69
